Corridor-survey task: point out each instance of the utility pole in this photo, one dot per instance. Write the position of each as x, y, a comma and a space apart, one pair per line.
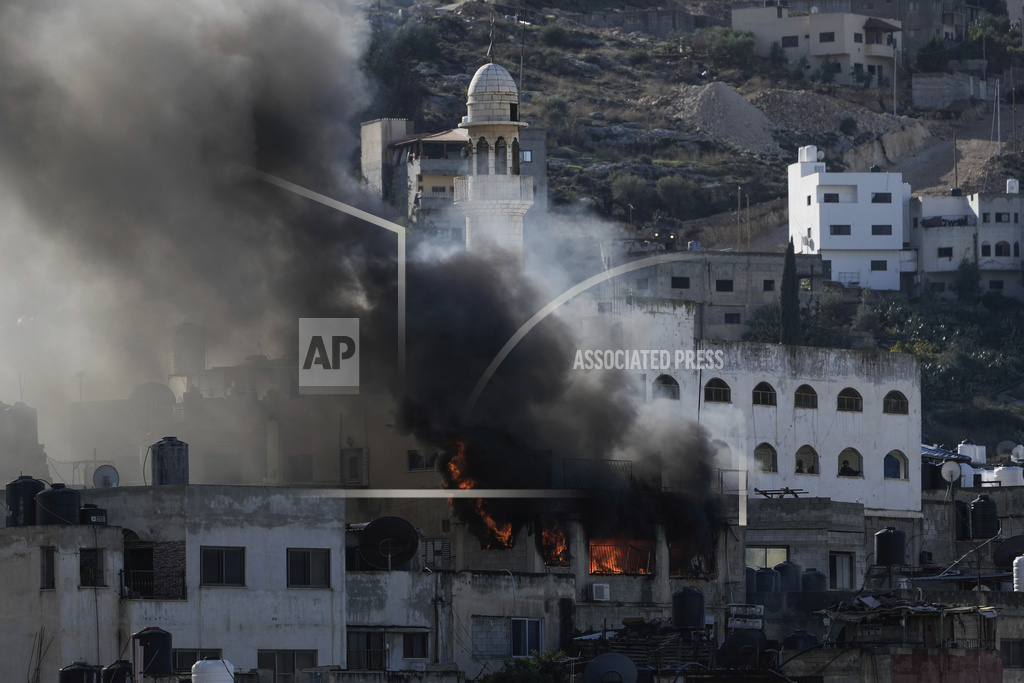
739, 215
895, 57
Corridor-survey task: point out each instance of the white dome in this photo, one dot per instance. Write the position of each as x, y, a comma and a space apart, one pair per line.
492, 79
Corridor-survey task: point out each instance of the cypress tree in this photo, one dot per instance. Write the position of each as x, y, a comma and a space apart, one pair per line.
789, 299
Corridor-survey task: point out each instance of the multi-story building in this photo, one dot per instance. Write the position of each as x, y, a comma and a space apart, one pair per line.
856, 221
858, 45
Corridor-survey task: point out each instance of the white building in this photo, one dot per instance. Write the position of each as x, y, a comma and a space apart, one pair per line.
859, 46
984, 229
856, 221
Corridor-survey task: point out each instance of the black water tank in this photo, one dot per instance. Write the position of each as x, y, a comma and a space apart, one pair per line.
79, 672
984, 517
645, 674
156, 651
688, 609
742, 650
170, 461
890, 547
962, 521
799, 641
814, 581
789, 576
767, 580
21, 500
751, 580
90, 513
59, 505
118, 672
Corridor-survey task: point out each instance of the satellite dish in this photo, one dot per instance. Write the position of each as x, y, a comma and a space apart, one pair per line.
950, 471
1017, 453
814, 10
608, 667
821, 155
1005, 448
388, 542
105, 477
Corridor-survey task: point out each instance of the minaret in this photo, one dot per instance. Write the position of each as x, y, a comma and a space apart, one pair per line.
493, 195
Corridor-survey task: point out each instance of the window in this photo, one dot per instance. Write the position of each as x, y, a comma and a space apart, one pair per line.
183, 659
1016, 249
284, 664
840, 571
984, 217
732, 318
764, 395
850, 401
309, 568
805, 397
680, 283
806, 460
1002, 218
1002, 248
839, 229
418, 461
986, 249
946, 252
912, 6
881, 197
723, 285
828, 37
717, 391
437, 189
895, 465
879, 265
769, 285
436, 553
830, 198
222, 566
895, 403
912, 33
47, 574
881, 229
1013, 653
90, 567
766, 457
526, 637
526, 156
790, 41
354, 466
414, 646
808, 200
366, 650
761, 557
858, 37
850, 463
666, 386
995, 285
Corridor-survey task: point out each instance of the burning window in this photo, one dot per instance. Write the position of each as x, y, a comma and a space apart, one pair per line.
685, 563
554, 544
621, 557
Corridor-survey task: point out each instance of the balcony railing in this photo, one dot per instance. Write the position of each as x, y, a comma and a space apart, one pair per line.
142, 584
373, 660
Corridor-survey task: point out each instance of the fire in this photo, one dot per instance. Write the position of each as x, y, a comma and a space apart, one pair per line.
499, 533
618, 556
554, 544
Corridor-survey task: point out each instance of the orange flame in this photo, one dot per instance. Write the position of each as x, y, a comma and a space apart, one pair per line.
553, 541
500, 534
618, 556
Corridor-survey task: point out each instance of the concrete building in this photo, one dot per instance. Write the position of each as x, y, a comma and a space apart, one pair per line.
856, 221
859, 45
983, 229
417, 172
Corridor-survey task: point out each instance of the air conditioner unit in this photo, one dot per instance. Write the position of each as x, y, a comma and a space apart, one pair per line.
600, 592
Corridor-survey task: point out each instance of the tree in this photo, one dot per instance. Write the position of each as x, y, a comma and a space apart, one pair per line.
678, 195
633, 194
965, 284
547, 667
933, 56
789, 299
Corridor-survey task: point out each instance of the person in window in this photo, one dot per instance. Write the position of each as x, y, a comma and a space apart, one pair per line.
846, 470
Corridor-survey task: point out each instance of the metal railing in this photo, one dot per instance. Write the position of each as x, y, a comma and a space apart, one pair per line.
621, 559
150, 584
371, 659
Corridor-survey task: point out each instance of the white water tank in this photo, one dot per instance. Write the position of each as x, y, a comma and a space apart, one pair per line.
972, 450
1018, 574
1010, 476
1012, 186
213, 671
808, 153
966, 475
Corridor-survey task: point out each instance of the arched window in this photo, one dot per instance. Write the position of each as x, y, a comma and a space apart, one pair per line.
806, 460
895, 403
1002, 248
515, 156
666, 386
806, 397
895, 465
986, 249
850, 401
501, 157
482, 150
764, 395
850, 463
766, 457
717, 391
